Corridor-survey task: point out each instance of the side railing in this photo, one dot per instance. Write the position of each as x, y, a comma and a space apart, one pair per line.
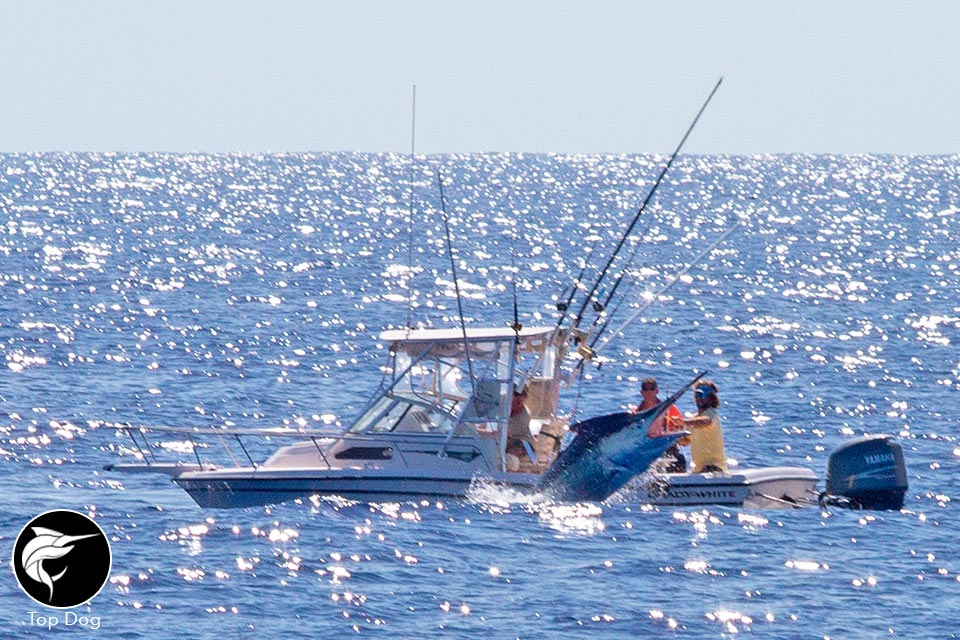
146, 448
197, 439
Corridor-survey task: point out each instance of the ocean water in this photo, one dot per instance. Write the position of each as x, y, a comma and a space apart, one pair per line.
249, 290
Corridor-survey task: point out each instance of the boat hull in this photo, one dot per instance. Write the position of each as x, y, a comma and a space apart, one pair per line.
758, 488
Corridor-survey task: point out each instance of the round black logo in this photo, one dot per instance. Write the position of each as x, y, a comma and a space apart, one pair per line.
62, 559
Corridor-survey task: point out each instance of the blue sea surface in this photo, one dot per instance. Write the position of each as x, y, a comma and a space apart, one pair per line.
249, 290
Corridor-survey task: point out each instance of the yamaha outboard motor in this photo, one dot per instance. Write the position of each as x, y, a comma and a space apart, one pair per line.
867, 473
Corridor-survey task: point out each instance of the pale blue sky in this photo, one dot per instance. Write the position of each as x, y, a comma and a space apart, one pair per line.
840, 76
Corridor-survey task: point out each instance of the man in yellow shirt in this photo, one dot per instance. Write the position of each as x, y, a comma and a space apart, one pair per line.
706, 436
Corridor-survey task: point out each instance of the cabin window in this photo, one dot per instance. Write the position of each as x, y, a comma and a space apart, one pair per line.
365, 453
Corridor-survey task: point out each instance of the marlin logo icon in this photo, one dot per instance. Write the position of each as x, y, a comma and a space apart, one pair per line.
46, 566
47, 545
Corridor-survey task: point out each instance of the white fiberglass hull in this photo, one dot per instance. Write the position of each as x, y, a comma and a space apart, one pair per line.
761, 487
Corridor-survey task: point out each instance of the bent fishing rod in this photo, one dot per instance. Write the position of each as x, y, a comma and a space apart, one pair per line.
623, 239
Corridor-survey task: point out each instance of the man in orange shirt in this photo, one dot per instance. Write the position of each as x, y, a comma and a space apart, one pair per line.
671, 421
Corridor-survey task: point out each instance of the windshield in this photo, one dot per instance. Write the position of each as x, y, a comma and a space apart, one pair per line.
395, 414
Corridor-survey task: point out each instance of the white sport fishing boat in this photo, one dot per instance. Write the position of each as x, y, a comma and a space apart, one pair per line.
429, 432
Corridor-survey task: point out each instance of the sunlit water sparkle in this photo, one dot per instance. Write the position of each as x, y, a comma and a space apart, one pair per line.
249, 290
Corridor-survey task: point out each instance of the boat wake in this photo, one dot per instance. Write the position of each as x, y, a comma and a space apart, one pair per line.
580, 518
487, 491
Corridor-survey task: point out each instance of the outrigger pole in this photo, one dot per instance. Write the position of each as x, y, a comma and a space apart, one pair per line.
463, 323
413, 159
636, 218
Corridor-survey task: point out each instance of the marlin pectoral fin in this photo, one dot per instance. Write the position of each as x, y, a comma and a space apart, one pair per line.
47, 580
52, 580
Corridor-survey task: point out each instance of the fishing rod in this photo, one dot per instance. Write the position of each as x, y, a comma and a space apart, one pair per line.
601, 307
643, 206
563, 306
607, 316
589, 352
